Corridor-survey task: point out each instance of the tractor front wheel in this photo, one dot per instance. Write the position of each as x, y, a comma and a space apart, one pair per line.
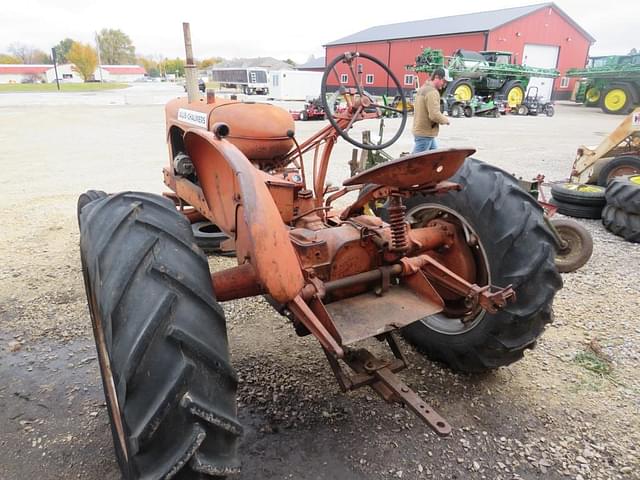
511, 245
161, 340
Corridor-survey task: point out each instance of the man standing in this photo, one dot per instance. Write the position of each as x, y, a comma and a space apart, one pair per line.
427, 117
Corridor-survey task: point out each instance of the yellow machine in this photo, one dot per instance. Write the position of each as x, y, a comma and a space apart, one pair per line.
618, 154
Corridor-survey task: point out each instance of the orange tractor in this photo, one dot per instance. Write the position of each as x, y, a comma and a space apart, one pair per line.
459, 262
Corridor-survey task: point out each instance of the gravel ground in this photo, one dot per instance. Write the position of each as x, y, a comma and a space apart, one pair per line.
568, 410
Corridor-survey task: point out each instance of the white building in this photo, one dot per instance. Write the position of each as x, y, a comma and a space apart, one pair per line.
68, 74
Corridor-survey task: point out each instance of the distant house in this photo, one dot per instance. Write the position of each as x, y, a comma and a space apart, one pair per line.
313, 65
24, 73
67, 73
120, 73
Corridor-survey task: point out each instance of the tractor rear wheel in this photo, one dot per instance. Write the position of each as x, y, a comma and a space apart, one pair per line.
161, 340
511, 245
513, 92
616, 100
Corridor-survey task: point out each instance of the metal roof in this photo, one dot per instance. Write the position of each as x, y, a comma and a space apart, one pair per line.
313, 63
431, 27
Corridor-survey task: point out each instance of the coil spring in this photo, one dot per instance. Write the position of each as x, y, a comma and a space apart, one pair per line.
396, 221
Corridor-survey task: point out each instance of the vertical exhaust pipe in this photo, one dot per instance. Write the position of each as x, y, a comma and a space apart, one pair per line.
190, 73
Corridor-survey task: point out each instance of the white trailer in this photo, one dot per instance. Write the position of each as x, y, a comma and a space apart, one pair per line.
294, 84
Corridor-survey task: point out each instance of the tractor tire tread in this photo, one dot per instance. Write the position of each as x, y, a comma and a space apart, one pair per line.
520, 249
622, 223
170, 348
623, 193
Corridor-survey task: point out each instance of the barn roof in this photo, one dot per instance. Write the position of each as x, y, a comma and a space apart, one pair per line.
22, 69
467, 23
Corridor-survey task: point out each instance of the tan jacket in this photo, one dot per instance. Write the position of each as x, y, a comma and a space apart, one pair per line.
427, 117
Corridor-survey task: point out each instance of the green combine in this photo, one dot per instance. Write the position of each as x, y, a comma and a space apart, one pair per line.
486, 74
609, 82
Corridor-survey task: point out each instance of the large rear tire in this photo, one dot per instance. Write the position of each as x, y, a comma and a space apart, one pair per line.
517, 248
622, 223
617, 99
161, 340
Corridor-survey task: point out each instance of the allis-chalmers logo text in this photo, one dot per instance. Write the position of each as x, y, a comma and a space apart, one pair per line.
192, 117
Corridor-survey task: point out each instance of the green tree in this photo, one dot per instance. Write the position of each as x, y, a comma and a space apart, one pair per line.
62, 49
6, 58
84, 58
150, 65
116, 47
290, 62
175, 66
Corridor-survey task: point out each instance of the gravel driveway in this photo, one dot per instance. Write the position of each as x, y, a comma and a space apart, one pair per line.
569, 410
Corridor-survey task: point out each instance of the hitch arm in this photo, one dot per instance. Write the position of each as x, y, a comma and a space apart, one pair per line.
438, 273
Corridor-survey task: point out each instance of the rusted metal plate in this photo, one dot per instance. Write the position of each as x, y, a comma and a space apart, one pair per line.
244, 209
415, 170
368, 314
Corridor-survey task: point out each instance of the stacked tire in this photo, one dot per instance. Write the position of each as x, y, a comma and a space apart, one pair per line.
579, 200
621, 215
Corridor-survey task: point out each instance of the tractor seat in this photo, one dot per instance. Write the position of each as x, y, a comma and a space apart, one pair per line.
415, 170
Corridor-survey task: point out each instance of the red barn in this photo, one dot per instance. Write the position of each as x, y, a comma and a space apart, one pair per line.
539, 35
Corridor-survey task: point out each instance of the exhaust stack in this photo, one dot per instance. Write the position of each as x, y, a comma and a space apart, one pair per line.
190, 73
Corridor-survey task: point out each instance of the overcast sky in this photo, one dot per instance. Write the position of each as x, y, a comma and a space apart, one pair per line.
283, 29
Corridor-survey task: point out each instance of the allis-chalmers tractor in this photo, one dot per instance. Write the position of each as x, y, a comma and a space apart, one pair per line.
459, 262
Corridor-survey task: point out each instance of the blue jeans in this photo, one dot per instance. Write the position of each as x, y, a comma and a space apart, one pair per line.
424, 143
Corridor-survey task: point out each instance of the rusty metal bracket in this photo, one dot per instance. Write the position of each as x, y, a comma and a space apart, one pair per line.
380, 375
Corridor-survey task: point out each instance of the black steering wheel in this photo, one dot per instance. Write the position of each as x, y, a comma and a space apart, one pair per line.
360, 103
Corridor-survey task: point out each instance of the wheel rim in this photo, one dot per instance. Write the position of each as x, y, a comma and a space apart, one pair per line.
624, 170
515, 96
615, 99
105, 366
580, 187
572, 246
463, 93
592, 95
441, 323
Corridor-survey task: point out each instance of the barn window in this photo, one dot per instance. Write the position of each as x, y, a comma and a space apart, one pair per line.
66, 76
564, 82
369, 79
409, 80
344, 78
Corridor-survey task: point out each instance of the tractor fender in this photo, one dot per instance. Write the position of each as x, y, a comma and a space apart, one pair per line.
244, 209
631, 87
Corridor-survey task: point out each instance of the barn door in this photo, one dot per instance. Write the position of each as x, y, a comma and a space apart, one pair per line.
541, 56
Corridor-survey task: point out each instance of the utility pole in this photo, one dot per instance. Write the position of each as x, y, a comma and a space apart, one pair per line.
99, 59
55, 66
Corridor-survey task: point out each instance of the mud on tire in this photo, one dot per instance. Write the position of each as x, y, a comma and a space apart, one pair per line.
519, 250
159, 330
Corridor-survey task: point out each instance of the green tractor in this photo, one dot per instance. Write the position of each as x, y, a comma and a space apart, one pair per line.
609, 82
486, 74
